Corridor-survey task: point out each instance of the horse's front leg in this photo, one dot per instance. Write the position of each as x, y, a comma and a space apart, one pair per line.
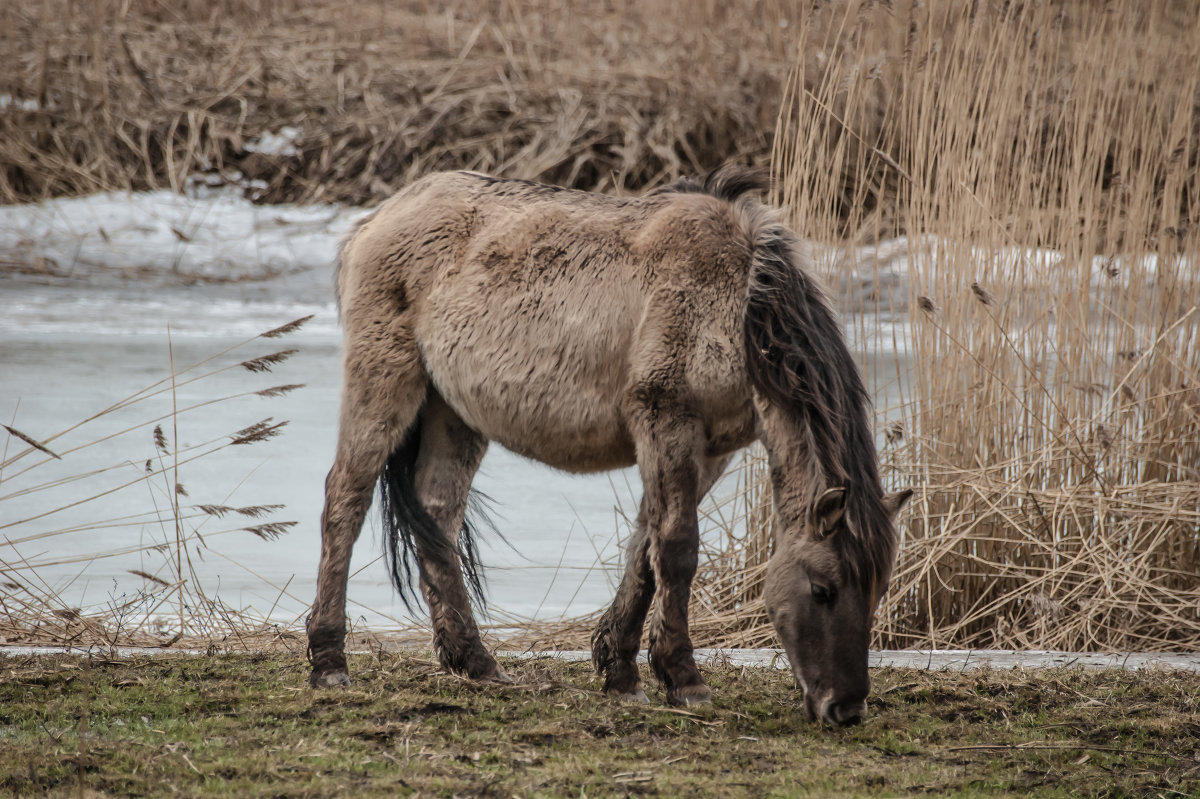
670, 445
674, 546
618, 636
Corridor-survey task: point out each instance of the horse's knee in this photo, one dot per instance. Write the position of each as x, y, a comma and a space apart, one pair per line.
676, 555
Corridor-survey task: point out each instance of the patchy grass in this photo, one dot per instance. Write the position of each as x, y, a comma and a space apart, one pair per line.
248, 725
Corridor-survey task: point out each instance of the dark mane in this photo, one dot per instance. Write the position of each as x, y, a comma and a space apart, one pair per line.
797, 358
728, 182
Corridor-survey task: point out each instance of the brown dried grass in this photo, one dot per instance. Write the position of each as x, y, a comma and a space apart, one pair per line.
136, 94
1049, 416
1048, 413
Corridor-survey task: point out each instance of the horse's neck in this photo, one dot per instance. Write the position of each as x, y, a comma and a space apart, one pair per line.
797, 475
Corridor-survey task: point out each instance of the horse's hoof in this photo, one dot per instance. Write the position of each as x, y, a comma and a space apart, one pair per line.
693, 697
498, 676
637, 696
329, 679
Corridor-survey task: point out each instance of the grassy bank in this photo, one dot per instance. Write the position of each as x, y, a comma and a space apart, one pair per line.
247, 725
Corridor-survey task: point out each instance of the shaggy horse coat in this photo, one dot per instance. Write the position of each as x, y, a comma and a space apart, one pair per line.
592, 332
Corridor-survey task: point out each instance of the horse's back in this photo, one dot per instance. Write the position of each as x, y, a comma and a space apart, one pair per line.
537, 310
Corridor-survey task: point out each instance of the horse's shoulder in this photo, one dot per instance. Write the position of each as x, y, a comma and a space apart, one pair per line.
693, 228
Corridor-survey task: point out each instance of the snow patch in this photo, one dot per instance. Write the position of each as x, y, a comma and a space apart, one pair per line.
208, 235
10, 103
282, 142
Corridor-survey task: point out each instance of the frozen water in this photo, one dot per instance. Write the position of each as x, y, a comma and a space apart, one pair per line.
100, 295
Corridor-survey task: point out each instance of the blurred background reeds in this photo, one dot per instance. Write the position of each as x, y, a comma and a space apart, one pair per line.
1003, 195
330, 101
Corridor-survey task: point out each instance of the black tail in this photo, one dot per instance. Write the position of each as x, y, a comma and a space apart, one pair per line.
408, 529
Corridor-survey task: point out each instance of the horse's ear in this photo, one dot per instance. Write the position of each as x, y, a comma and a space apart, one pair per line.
895, 501
827, 511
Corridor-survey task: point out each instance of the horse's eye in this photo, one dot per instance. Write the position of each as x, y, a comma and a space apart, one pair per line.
822, 595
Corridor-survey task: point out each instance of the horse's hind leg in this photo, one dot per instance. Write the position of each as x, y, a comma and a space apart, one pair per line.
618, 636
448, 458
384, 389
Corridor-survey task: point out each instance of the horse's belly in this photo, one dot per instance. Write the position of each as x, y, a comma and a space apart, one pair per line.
549, 390
568, 425
579, 438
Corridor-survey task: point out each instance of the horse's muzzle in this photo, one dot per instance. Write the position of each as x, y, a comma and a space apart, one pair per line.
844, 714
834, 713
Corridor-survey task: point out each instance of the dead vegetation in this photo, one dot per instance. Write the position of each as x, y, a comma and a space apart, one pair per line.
1047, 410
1049, 157
53, 518
1042, 158
324, 101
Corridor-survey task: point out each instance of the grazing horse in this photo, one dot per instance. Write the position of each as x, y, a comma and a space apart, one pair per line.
592, 332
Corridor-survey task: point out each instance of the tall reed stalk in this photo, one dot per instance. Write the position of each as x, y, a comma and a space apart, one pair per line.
164, 528
1042, 162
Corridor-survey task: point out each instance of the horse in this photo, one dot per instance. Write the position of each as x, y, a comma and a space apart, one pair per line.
593, 332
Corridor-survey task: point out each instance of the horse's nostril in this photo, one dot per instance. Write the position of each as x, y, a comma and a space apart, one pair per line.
845, 714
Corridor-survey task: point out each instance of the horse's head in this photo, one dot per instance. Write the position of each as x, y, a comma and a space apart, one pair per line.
822, 606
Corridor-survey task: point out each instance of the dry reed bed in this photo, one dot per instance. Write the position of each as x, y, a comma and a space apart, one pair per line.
1049, 158
1049, 418
139, 95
